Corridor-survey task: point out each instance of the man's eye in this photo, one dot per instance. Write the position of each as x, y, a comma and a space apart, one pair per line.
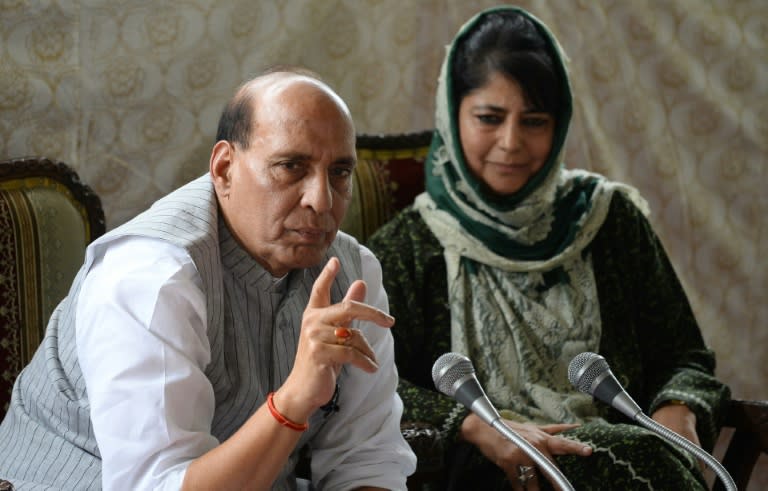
291, 165
342, 172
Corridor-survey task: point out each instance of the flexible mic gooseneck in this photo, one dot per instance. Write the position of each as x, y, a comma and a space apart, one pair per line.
454, 376
590, 373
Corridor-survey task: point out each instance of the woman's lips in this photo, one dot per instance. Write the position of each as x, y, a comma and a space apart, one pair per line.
509, 168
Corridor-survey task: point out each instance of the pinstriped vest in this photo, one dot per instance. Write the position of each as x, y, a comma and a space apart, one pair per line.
47, 439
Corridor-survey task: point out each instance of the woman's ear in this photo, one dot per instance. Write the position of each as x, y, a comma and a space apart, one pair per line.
220, 167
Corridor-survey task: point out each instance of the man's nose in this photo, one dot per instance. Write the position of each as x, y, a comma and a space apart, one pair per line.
317, 193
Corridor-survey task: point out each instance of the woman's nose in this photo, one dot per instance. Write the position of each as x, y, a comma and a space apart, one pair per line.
509, 137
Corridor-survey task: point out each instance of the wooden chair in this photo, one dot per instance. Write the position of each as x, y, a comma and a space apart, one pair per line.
47, 218
390, 175
749, 422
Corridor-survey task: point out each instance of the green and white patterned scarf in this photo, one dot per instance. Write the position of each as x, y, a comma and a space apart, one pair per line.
522, 293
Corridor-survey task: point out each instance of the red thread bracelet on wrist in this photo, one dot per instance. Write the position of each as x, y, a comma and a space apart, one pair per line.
282, 419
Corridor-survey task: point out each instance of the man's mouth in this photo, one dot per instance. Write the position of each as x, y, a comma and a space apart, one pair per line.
312, 234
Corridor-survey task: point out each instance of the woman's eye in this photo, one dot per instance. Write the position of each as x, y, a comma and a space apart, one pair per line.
489, 118
536, 122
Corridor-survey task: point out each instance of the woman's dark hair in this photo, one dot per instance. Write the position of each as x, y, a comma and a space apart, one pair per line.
508, 43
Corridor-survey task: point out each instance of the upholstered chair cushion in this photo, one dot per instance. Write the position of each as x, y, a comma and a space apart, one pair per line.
47, 217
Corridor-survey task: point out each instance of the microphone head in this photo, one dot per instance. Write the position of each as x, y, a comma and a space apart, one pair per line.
454, 376
590, 373
584, 369
449, 368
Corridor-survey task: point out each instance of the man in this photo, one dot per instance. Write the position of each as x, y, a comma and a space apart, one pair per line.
206, 341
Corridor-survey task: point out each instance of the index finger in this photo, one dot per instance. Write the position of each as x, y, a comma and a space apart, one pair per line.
557, 444
556, 428
321, 289
563, 445
350, 310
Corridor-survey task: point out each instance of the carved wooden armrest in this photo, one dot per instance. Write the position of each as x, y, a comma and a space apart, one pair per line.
427, 444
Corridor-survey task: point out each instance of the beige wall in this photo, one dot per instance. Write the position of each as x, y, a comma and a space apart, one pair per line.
670, 96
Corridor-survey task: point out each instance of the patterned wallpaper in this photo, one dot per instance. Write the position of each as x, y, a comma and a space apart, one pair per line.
670, 96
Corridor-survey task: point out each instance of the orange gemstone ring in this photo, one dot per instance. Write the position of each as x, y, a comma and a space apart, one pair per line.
343, 335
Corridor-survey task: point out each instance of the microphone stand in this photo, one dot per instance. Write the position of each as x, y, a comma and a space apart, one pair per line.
454, 376
681, 441
625, 404
590, 374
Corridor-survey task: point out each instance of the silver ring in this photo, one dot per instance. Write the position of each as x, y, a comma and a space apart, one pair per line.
525, 473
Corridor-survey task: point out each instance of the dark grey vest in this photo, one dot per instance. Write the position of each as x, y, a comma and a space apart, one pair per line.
47, 439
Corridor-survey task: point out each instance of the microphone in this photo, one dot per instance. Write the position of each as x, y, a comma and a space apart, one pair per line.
454, 376
590, 373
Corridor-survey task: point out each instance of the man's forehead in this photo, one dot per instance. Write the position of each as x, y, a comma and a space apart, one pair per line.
279, 85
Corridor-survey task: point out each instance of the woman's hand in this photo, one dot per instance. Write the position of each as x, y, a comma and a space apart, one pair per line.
678, 418
509, 456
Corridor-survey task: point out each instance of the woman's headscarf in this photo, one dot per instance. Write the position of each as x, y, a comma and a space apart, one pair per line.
522, 293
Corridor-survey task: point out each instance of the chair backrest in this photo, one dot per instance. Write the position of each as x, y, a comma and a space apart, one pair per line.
748, 423
47, 218
388, 176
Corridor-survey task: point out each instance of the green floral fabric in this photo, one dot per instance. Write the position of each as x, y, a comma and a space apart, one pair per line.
625, 458
649, 336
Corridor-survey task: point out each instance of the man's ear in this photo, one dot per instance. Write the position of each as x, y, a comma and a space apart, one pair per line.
220, 165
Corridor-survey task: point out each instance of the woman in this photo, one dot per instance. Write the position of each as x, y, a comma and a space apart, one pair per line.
521, 264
